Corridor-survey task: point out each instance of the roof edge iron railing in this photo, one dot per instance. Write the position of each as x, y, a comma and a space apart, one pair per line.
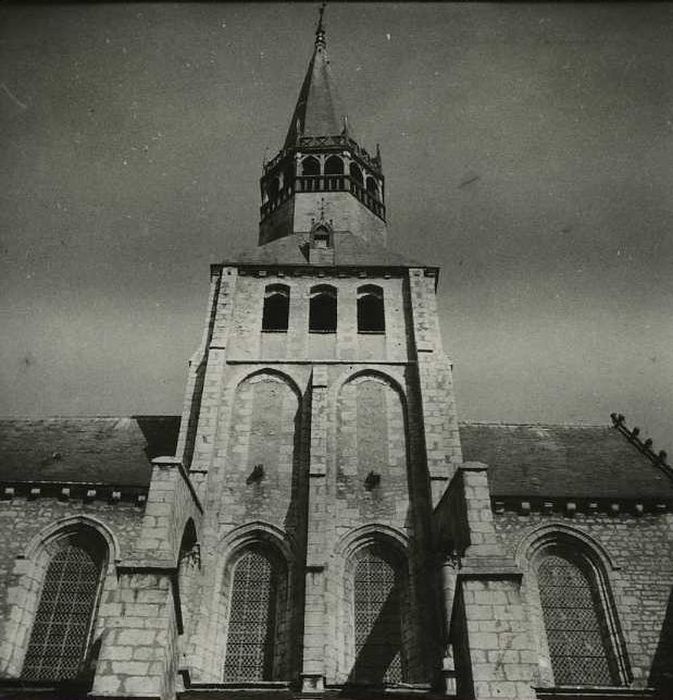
325, 183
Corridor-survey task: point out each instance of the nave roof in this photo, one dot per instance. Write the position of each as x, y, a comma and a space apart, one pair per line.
554, 461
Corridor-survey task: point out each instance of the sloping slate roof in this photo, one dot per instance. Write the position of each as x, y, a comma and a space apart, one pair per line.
85, 450
349, 250
562, 460
318, 111
524, 460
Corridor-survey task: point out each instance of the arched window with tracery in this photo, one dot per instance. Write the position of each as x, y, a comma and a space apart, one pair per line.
256, 588
371, 317
378, 592
276, 311
581, 648
61, 632
323, 309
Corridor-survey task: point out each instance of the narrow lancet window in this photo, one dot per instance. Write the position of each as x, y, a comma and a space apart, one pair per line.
371, 317
276, 312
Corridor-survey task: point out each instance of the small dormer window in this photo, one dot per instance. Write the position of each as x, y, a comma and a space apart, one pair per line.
321, 238
321, 235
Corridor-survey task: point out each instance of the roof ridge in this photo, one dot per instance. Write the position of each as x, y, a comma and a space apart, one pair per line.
643, 446
91, 416
505, 424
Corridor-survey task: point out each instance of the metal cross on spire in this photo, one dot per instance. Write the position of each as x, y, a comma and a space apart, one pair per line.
320, 29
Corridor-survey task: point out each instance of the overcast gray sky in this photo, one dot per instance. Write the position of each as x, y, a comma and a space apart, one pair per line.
527, 149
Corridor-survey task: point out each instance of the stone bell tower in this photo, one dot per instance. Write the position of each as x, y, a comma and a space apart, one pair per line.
318, 429
321, 167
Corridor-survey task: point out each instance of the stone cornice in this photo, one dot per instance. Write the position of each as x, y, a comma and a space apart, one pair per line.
74, 491
569, 507
309, 270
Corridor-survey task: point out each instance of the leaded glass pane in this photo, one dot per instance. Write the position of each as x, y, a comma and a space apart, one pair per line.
577, 644
377, 621
59, 637
252, 616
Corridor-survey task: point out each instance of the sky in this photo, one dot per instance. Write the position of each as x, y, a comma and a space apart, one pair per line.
527, 149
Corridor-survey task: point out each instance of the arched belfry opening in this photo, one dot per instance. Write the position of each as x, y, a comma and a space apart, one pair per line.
323, 309
370, 310
334, 166
276, 312
310, 166
356, 172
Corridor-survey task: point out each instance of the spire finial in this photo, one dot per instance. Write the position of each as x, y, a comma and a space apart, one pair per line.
320, 29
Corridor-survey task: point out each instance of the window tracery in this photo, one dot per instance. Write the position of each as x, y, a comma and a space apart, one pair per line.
60, 634
252, 618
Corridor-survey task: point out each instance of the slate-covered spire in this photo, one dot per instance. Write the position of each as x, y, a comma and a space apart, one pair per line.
318, 111
321, 168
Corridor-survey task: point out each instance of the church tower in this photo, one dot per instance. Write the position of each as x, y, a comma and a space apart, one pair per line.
319, 430
319, 527
322, 171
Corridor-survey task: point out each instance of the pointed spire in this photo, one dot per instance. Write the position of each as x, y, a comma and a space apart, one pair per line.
318, 111
320, 29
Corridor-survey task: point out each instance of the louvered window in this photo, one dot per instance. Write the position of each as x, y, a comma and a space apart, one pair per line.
58, 641
252, 618
377, 621
573, 621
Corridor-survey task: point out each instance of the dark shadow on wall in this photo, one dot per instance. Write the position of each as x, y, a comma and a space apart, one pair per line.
382, 645
194, 412
661, 674
161, 434
295, 525
461, 650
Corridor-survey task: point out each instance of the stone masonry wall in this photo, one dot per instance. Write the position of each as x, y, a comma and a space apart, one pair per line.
641, 550
341, 208
435, 383
248, 343
24, 523
279, 400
